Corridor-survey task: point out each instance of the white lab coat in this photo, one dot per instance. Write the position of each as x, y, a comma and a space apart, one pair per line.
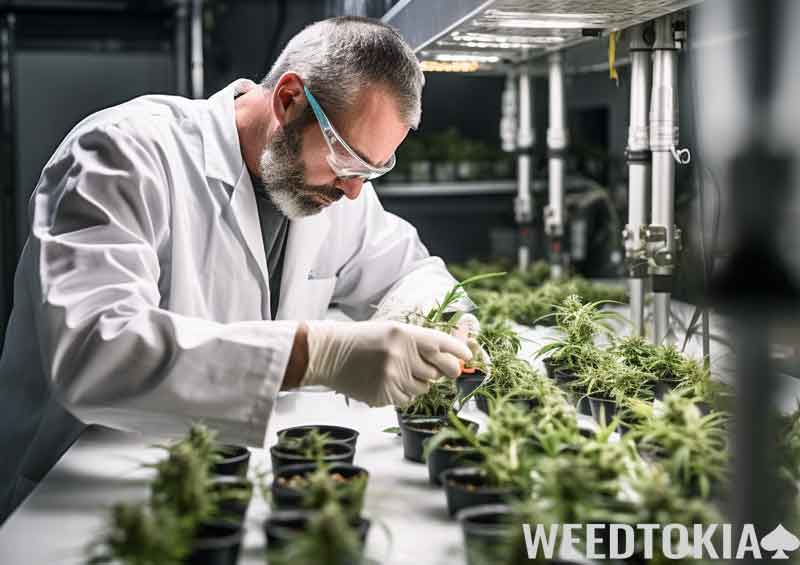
142, 292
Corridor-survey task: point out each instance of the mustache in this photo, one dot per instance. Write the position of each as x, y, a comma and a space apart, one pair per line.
326, 190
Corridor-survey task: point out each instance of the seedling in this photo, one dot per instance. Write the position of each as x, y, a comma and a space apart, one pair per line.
581, 324
321, 487
309, 446
327, 538
139, 535
692, 447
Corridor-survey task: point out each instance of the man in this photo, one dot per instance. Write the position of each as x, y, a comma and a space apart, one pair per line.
181, 250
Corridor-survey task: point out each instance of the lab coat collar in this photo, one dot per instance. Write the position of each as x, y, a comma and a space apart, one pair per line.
221, 149
224, 162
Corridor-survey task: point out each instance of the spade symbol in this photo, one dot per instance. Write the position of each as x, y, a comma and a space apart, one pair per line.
780, 540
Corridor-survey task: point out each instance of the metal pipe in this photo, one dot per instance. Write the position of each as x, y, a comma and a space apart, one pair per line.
197, 49
181, 41
556, 145
638, 176
8, 197
522, 206
663, 139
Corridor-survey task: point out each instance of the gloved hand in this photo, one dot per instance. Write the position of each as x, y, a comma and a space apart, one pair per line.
380, 362
467, 329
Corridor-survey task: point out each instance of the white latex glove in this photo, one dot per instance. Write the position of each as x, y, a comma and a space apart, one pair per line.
381, 362
467, 329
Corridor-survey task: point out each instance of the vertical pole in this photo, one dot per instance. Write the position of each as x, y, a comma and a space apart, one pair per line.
197, 49
181, 48
522, 206
556, 145
8, 181
638, 176
663, 139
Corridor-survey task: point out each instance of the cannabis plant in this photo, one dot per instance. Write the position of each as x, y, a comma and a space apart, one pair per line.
327, 538
310, 445
140, 535
692, 447
182, 484
580, 324
609, 377
436, 402
498, 337
322, 487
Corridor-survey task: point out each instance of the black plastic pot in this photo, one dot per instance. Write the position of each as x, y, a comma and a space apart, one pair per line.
335, 433
216, 543
283, 526
524, 403
564, 378
415, 431
334, 453
402, 416
603, 409
550, 366
285, 497
489, 532
235, 494
235, 461
465, 487
662, 387
457, 453
467, 383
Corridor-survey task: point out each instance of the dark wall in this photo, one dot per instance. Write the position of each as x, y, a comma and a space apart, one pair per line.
243, 37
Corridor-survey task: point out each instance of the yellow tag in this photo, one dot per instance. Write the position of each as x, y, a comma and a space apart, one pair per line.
612, 56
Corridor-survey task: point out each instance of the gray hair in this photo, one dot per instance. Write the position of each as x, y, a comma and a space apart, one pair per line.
338, 57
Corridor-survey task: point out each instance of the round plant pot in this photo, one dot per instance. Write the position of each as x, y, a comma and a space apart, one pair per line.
334, 453
215, 543
524, 403
489, 532
338, 434
466, 487
235, 461
416, 430
288, 497
663, 387
550, 366
467, 383
603, 409
704, 407
402, 417
453, 454
234, 495
283, 526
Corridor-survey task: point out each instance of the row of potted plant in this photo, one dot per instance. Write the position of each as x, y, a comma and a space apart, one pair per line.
195, 513
533, 458
448, 156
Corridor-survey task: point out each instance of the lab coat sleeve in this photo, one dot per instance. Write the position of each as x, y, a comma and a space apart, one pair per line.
391, 272
114, 356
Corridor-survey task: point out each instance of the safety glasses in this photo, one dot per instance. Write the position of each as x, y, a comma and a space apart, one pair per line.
343, 161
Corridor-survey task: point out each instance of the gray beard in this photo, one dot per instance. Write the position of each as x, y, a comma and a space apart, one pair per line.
283, 174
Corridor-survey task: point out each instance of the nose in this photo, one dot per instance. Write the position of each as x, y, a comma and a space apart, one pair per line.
350, 187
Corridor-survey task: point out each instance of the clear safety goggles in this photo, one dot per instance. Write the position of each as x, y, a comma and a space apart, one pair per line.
343, 161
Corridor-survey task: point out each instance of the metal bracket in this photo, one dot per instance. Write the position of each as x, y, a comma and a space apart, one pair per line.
681, 156
658, 250
522, 210
551, 227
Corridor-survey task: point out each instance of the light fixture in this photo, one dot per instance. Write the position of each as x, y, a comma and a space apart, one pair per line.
449, 67
541, 24
466, 57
